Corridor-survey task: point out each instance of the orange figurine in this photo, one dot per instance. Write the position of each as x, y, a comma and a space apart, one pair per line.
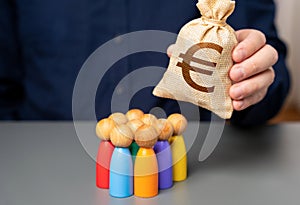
146, 166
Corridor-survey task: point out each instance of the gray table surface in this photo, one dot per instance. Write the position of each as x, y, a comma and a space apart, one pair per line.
45, 163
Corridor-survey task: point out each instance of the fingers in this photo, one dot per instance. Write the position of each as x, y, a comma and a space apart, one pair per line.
250, 41
251, 100
170, 50
264, 58
252, 73
252, 90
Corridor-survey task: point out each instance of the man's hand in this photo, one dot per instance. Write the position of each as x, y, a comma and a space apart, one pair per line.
252, 73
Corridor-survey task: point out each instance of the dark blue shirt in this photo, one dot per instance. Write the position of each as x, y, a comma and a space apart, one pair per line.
43, 45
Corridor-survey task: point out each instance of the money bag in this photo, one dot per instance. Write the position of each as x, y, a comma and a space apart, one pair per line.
202, 56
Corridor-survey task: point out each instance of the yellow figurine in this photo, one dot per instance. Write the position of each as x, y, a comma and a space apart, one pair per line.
178, 148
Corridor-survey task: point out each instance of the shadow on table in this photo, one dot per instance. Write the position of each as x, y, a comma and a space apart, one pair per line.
238, 148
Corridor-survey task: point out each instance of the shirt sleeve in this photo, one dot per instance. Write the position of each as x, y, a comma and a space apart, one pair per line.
11, 91
261, 16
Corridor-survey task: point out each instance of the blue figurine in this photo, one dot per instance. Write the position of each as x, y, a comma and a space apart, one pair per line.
121, 166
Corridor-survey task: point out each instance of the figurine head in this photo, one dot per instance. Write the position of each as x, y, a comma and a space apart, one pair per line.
104, 127
121, 135
165, 129
178, 122
134, 114
134, 124
146, 136
118, 118
149, 119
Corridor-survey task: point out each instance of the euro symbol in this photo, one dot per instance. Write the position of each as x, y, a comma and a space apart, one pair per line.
187, 58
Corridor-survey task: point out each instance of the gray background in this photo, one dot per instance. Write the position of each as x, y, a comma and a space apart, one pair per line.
44, 163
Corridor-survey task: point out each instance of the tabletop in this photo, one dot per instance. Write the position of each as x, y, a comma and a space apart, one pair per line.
45, 163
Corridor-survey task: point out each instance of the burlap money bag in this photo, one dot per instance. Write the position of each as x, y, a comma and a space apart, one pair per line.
202, 56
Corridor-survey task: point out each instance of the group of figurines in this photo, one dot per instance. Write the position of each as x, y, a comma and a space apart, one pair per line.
140, 154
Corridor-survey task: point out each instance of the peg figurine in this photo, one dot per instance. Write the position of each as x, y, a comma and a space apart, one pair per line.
145, 166
121, 166
105, 151
149, 119
118, 118
178, 148
134, 125
164, 154
134, 114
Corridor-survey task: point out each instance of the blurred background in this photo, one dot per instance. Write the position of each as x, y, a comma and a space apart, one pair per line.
288, 25
38, 80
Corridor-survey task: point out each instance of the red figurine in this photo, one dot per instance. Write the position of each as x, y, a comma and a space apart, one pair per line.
105, 151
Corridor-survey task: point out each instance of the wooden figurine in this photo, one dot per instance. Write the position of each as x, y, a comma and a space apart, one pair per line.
145, 166
118, 118
121, 166
134, 125
105, 150
134, 114
149, 119
178, 148
164, 154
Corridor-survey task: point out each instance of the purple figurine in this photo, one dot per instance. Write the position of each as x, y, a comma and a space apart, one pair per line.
164, 155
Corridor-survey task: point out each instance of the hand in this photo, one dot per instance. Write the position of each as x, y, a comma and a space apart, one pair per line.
252, 73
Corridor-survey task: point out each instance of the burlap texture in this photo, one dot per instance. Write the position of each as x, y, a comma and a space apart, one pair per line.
199, 65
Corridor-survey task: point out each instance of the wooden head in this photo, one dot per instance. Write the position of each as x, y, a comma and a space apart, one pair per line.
121, 135
146, 136
134, 124
178, 122
165, 129
118, 118
134, 114
149, 119
104, 127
